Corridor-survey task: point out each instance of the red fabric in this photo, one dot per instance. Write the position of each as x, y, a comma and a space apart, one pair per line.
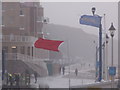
47, 44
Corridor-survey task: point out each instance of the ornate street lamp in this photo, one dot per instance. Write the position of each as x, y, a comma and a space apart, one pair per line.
112, 30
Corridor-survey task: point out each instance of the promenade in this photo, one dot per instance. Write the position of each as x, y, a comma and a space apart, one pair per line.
67, 80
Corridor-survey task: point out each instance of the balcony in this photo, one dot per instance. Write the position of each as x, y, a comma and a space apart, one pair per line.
17, 38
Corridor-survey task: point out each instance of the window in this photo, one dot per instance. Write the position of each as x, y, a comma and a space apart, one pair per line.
32, 51
21, 28
23, 38
21, 12
14, 49
6, 49
12, 37
22, 50
3, 25
28, 51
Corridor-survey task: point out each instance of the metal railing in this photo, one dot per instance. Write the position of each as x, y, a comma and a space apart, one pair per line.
35, 60
18, 38
25, 58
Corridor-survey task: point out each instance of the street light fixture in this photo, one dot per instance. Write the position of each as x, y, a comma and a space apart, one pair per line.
107, 38
13, 47
93, 10
112, 30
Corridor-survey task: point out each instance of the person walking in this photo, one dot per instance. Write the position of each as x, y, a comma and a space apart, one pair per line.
11, 79
35, 75
7, 78
76, 71
27, 77
17, 78
63, 70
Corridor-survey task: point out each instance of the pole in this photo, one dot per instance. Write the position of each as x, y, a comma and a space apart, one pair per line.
112, 52
104, 73
100, 53
106, 61
96, 65
112, 77
3, 64
96, 62
105, 48
69, 61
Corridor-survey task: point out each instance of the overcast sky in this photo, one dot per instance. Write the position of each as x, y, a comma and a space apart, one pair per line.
68, 13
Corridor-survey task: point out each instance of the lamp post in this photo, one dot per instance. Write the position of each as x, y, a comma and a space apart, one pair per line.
112, 30
100, 47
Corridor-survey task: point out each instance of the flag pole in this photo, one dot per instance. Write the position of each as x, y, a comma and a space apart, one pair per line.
103, 52
106, 48
100, 53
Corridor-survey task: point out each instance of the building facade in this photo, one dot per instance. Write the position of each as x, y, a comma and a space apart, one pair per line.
21, 27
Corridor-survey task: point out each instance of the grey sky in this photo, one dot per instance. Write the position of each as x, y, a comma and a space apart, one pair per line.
68, 13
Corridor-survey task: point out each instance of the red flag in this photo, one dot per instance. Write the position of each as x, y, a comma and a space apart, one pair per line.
47, 44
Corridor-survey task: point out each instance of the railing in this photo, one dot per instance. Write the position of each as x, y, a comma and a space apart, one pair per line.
23, 57
27, 58
17, 38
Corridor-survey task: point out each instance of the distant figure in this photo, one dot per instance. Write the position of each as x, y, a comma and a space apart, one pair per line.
89, 65
27, 77
35, 75
17, 79
11, 79
63, 70
60, 70
76, 71
7, 78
